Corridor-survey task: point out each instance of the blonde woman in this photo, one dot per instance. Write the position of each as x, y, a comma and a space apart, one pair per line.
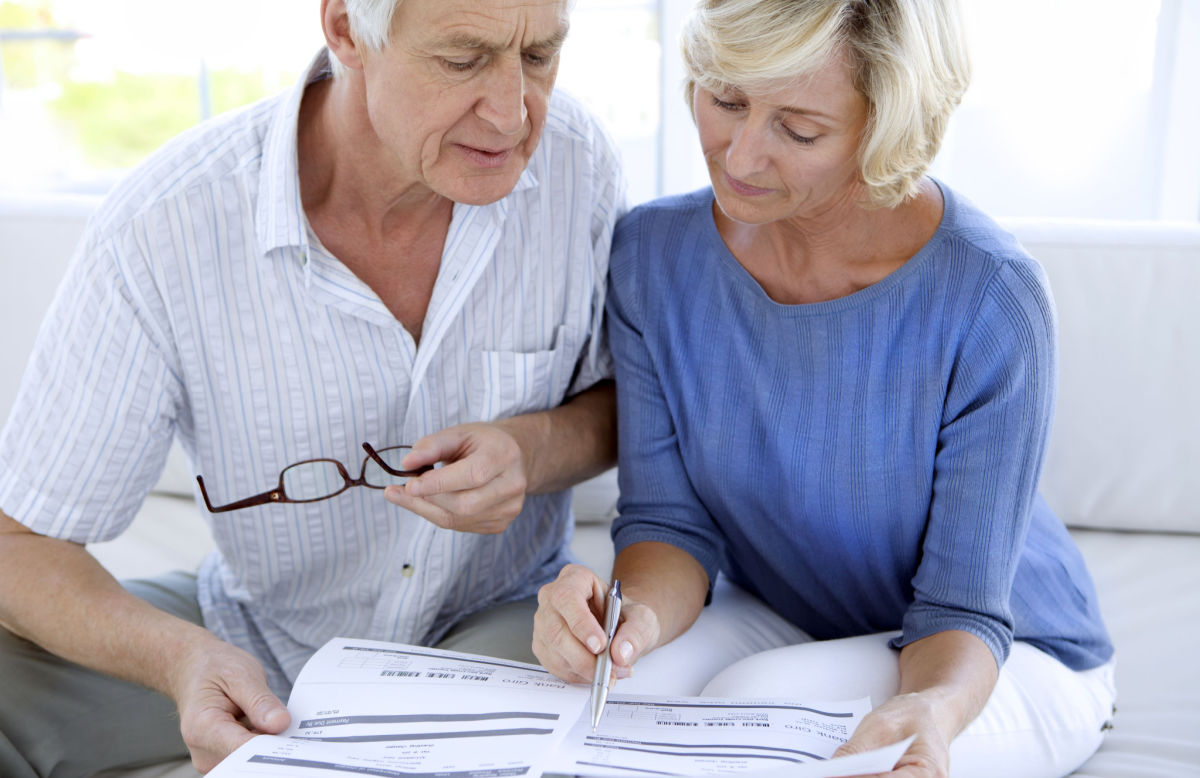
835, 384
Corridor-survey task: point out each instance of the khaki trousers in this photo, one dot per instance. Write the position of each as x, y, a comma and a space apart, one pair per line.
61, 720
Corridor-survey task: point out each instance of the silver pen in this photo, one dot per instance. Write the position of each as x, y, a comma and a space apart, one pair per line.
612, 614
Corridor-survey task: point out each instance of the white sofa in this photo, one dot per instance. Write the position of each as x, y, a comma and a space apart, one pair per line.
1123, 470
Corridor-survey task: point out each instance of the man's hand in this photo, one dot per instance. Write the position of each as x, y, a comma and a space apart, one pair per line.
223, 701
480, 487
567, 631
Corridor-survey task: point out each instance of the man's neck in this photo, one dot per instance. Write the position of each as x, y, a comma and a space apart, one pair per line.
389, 231
346, 171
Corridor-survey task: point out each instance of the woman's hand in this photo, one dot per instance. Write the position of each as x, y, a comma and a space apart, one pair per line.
945, 680
916, 714
568, 631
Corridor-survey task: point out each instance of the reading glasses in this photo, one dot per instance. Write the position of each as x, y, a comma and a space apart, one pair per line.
312, 480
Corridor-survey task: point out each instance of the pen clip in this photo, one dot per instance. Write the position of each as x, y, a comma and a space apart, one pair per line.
612, 612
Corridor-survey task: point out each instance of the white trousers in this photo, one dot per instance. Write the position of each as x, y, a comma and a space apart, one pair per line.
1043, 719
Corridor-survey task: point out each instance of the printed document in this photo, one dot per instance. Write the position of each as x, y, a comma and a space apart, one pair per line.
700, 736
362, 707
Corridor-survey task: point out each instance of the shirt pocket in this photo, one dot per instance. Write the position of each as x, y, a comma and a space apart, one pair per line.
514, 382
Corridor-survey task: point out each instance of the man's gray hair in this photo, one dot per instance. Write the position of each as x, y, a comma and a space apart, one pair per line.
371, 21
370, 26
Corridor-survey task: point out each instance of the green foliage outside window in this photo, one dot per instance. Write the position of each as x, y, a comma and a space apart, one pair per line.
25, 64
118, 123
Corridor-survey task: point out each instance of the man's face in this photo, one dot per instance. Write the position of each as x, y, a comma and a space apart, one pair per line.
459, 97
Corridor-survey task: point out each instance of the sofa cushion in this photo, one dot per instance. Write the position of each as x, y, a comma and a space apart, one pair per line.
1125, 447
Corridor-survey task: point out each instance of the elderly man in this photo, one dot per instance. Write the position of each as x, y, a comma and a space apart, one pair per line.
410, 248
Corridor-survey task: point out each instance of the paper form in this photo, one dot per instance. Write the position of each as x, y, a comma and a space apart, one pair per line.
699, 736
383, 709
365, 707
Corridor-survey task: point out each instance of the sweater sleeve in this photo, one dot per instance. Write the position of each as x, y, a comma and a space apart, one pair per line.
992, 443
657, 501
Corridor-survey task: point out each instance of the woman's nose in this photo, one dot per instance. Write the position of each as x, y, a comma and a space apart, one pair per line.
745, 154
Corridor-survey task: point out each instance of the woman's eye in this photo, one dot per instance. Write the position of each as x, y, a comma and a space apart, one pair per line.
726, 106
801, 139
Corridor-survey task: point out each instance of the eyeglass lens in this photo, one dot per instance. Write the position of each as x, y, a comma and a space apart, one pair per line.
321, 478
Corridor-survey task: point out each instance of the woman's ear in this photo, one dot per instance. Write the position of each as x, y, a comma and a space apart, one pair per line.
335, 22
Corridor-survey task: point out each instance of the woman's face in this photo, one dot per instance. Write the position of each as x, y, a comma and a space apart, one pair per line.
789, 153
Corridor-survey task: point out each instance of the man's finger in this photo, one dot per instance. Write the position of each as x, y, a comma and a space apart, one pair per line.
423, 508
480, 467
221, 739
439, 447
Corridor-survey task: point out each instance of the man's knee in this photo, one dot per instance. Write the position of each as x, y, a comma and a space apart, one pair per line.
18, 668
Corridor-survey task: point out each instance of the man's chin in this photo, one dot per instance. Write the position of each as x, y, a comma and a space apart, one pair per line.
481, 189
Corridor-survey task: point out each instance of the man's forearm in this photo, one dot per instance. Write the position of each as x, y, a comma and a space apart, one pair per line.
568, 444
55, 594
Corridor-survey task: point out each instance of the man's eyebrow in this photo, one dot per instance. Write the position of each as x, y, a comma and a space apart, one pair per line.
470, 42
462, 40
553, 43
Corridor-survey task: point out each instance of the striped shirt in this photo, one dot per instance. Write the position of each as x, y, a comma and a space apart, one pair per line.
199, 304
863, 464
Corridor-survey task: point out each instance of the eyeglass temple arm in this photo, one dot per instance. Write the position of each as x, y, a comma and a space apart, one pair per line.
379, 461
259, 499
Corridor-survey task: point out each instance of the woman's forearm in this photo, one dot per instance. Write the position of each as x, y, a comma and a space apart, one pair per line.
668, 580
954, 670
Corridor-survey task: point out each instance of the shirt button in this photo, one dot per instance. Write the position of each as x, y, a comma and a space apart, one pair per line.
407, 570
304, 258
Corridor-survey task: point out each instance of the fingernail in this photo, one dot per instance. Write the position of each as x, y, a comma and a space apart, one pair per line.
595, 644
413, 487
625, 650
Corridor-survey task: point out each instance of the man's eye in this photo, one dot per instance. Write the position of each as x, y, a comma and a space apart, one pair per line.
538, 60
460, 66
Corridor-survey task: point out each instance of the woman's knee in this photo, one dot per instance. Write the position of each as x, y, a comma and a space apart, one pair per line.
850, 668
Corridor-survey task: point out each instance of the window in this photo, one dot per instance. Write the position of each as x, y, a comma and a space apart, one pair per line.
1078, 108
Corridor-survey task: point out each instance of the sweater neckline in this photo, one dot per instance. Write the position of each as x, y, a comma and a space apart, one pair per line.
863, 296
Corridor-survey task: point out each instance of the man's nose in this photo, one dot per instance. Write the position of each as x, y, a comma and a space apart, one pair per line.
503, 103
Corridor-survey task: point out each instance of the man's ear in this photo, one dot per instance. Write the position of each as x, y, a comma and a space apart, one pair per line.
335, 23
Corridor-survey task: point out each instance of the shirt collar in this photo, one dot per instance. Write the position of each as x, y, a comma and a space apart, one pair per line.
280, 219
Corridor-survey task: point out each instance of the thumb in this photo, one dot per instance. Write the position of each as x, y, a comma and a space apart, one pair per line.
264, 711
634, 637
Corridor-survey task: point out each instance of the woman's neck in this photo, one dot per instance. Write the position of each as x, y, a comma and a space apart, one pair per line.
835, 253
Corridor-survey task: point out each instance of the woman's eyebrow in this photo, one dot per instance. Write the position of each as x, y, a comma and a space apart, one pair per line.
806, 112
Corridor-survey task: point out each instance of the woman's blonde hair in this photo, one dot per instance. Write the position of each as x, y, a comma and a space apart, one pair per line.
908, 56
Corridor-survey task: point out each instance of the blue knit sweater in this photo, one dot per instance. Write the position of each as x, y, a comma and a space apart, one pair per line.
864, 464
